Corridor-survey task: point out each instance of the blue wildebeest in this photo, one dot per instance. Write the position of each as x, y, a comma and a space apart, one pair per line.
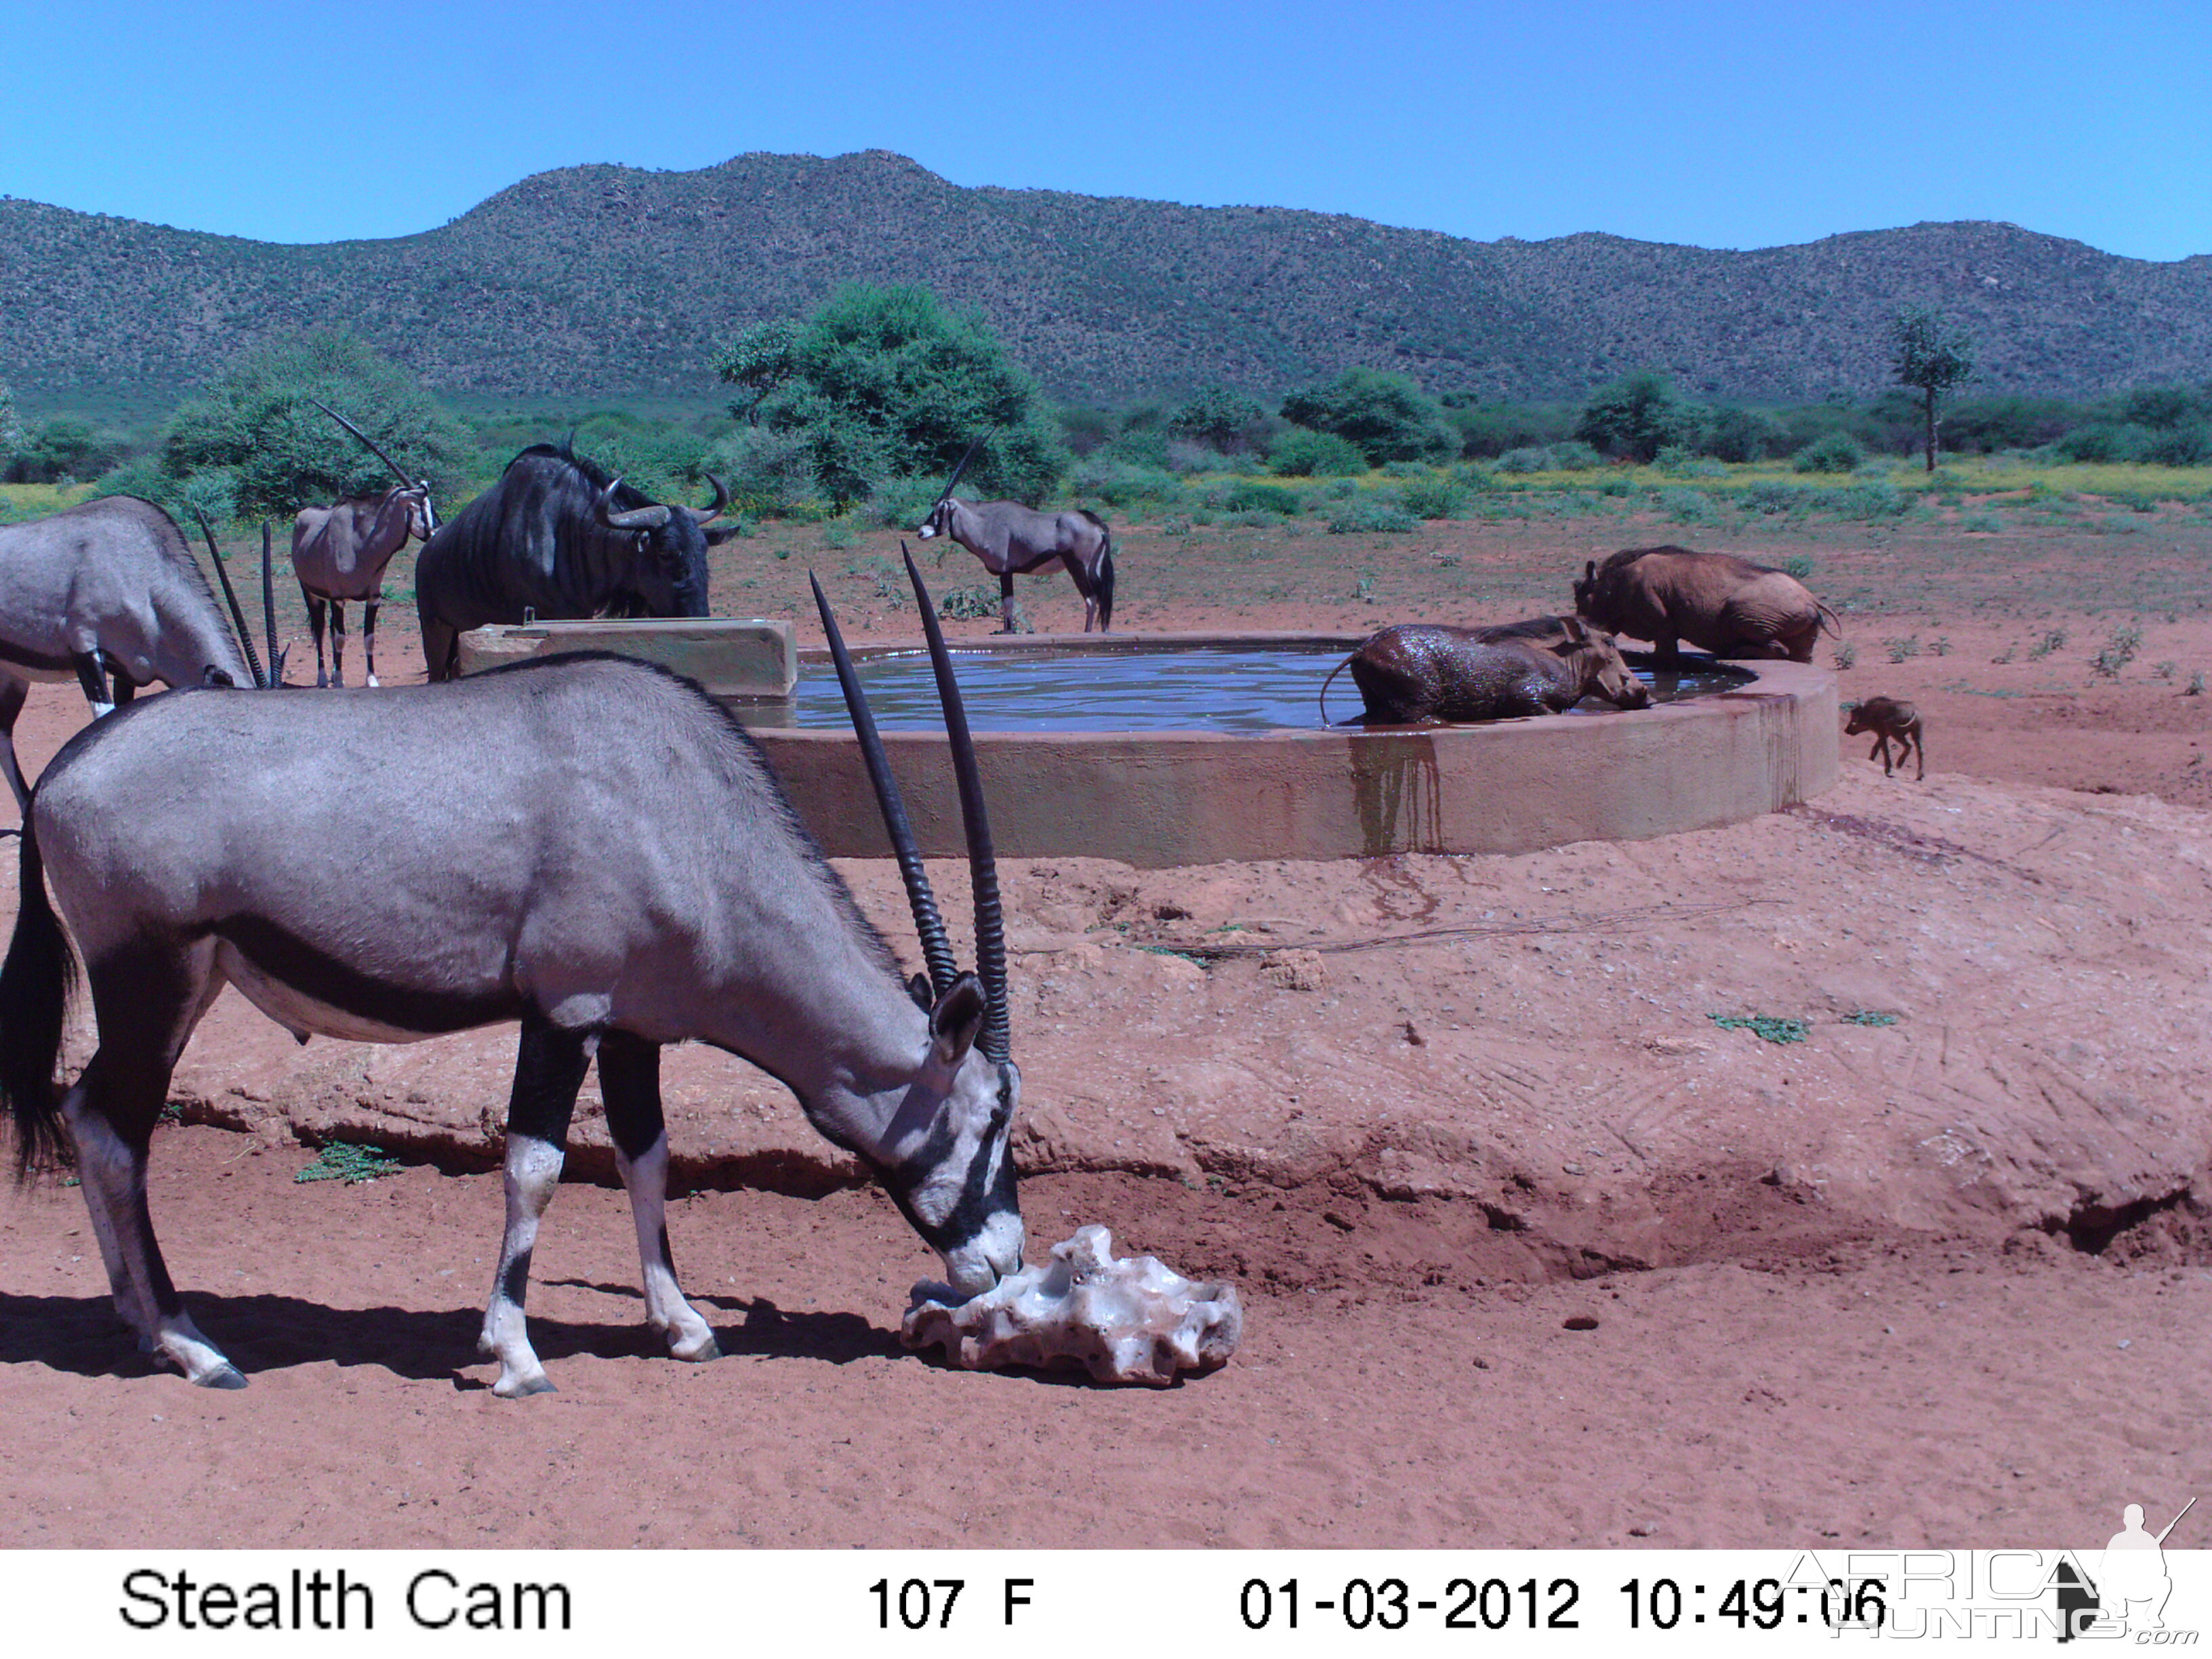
559, 538
664, 892
107, 594
339, 553
1011, 540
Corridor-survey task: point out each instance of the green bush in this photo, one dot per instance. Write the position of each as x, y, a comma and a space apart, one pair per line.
892, 383
1687, 506
1370, 511
1226, 420
1434, 497
1876, 498
1124, 484
1386, 416
1299, 452
767, 471
254, 420
1742, 435
1773, 496
1247, 496
1838, 452
2185, 443
1636, 415
1532, 459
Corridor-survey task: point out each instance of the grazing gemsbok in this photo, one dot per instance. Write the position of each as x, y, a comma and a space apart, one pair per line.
1011, 540
560, 539
584, 844
109, 594
339, 553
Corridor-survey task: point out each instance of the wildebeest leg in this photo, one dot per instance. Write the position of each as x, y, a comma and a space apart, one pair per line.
548, 1069
1919, 741
92, 675
438, 643
126, 687
338, 641
1881, 747
316, 610
147, 996
629, 1082
12, 693
1666, 652
369, 635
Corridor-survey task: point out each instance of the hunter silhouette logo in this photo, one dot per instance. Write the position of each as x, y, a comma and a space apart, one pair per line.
2130, 1586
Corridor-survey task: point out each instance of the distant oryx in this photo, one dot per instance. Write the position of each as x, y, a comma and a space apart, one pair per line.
340, 552
558, 538
584, 844
1012, 540
109, 594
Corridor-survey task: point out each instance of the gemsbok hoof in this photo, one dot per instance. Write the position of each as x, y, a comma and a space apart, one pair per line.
222, 1376
698, 1351
521, 1388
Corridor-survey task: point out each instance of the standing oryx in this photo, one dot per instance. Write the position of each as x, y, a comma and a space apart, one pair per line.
1012, 540
559, 537
587, 845
339, 553
109, 594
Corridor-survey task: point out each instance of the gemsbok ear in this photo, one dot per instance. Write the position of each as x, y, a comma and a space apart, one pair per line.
957, 1020
918, 988
1589, 570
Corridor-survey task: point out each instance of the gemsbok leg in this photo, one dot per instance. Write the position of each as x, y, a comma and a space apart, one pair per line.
629, 1082
548, 1069
317, 609
147, 996
338, 641
368, 635
12, 693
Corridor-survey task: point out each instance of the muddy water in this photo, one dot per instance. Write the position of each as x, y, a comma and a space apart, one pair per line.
1105, 689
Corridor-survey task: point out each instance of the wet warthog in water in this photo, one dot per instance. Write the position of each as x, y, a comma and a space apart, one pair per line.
1419, 672
1717, 602
1888, 718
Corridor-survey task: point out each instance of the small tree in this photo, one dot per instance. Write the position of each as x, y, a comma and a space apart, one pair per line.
1931, 356
886, 383
256, 422
1218, 416
1636, 416
759, 360
1387, 415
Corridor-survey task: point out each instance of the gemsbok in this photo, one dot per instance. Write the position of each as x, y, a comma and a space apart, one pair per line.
107, 594
587, 845
340, 552
1011, 540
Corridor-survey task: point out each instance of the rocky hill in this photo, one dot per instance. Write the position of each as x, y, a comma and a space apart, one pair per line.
611, 281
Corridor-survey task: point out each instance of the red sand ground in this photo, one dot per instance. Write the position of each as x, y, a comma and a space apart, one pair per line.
1942, 1282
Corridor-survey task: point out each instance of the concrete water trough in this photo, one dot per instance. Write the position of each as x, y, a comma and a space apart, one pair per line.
1762, 738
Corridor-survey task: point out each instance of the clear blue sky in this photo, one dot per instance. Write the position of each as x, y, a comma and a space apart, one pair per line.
1726, 124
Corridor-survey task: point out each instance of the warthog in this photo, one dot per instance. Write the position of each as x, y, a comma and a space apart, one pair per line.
1888, 718
1417, 671
1717, 602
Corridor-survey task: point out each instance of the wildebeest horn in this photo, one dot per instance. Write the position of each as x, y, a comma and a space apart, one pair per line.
405, 483
652, 516
708, 514
936, 946
944, 494
982, 863
230, 595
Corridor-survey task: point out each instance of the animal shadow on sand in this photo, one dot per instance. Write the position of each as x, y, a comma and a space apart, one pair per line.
82, 1336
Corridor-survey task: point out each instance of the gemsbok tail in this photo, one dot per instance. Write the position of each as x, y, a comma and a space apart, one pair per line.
34, 990
1106, 580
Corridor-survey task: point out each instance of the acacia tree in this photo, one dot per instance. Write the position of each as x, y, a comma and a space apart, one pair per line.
890, 383
1932, 356
256, 423
1636, 415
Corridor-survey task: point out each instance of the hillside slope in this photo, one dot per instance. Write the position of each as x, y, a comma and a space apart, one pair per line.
611, 280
